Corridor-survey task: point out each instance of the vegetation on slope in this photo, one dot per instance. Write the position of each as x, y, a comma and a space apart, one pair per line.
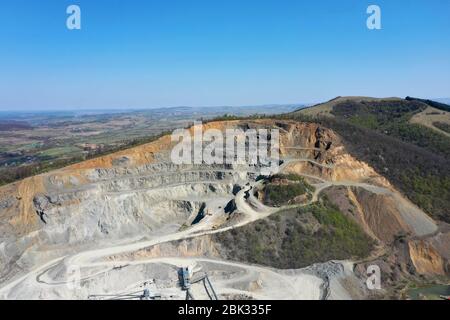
297, 238
291, 177
442, 125
282, 188
392, 117
435, 104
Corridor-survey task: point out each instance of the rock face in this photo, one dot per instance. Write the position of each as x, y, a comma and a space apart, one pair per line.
140, 194
118, 196
431, 255
425, 258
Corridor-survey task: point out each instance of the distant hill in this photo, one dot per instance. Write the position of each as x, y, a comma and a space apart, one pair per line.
411, 120
326, 108
435, 104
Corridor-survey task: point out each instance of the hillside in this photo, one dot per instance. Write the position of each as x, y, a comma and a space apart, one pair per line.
434, 104
326, 108
394, 136
435, 119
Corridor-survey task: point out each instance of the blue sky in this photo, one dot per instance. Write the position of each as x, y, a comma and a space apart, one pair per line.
157, 53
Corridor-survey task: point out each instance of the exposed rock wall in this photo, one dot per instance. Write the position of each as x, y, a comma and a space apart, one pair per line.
425, 258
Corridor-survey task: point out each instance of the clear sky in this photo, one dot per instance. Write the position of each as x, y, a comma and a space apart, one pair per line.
157, 53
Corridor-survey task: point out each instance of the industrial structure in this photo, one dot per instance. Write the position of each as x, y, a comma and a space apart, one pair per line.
186, 282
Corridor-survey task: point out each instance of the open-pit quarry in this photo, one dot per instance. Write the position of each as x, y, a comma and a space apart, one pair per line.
128, 221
